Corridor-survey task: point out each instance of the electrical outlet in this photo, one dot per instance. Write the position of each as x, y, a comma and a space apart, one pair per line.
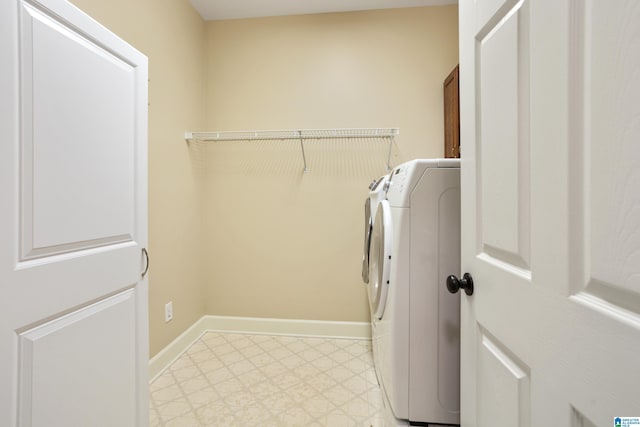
168, 311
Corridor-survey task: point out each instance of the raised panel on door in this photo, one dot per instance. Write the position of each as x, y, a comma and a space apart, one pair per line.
503, 139
504, 385
78, 130
73, 302
607, 111
65, 355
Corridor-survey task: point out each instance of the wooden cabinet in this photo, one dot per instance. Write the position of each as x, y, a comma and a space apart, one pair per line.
452, 115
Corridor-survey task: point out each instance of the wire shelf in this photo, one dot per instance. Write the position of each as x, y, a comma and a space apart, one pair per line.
298, 134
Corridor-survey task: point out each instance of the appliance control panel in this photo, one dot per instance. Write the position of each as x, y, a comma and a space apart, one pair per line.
403, 178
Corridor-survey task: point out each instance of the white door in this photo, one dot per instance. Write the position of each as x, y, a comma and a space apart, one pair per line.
73, 305
550, 122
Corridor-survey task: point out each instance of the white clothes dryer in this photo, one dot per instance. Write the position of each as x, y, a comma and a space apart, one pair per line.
415, 245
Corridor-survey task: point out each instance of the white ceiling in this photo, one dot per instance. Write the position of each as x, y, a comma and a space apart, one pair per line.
236, 9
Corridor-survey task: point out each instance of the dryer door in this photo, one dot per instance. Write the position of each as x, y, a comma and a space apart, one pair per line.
368, 226
380, 259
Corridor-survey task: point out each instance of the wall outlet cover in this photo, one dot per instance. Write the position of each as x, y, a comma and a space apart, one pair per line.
168, 311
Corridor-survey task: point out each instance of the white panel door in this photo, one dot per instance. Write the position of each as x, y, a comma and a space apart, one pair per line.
550, 135
73, 141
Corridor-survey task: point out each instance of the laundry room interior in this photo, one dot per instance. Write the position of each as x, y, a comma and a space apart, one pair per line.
239, 229
241, 213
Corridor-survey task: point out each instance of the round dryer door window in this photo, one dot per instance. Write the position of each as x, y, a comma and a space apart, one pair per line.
380, 259
368, 225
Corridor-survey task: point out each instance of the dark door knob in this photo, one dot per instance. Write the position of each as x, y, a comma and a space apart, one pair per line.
454, 284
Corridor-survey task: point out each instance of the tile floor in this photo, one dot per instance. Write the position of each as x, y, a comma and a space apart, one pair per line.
233, 379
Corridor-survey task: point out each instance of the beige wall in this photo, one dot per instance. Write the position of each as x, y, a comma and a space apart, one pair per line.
288, 244
172, 35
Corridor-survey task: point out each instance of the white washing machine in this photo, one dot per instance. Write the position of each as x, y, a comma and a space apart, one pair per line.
415, 245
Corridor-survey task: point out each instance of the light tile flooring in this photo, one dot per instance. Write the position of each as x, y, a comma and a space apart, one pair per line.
232, 379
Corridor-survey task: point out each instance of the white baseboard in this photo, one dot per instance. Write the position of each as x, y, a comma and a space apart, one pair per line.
175, 348
255, 325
